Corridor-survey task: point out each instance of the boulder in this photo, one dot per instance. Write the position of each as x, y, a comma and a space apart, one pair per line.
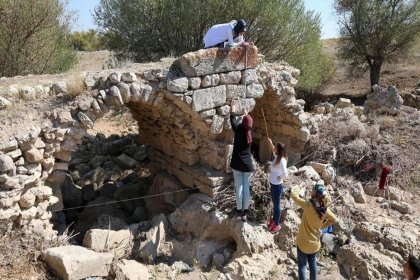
60, 87
75, 262
6, 163
117, 99
4, 103
402, 207
393, 238
195, 217
9, 146
255, 266
115, 78
361, 261
308, 172
33, 155
168, 202
125, 162
216, 60
358, 193
85, 120
140, 92
153, 242
343, 103
125, 92
127, 192
129, 77
27, 93
384, 100
88, 218
116, 242
130, 270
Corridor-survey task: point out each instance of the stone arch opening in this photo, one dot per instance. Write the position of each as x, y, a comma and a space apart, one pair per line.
182, 112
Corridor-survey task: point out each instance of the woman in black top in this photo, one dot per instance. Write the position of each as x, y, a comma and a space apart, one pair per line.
241, 163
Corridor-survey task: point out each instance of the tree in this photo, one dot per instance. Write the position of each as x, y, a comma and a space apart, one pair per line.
87, 40
376, 31
151, 29
34, 37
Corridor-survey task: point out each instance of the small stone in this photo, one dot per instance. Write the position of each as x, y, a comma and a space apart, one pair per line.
178, 85
6, 163
194, 82
115, 78
129, 77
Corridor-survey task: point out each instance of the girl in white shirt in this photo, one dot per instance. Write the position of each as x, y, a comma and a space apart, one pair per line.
277, 174
226, 34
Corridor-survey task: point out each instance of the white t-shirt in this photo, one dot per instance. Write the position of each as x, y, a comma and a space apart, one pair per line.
221, 33
279, 170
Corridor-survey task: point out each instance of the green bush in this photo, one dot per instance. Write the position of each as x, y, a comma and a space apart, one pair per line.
150, 29
87, 41
34, 37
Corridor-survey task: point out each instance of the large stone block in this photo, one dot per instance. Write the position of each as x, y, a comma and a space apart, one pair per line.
230, 78
75, 262
216, 60
209, 98
235, 91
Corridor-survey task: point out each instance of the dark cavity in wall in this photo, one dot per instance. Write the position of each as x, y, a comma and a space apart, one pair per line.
104, 171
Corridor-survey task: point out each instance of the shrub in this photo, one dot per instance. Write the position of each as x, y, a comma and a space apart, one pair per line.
282, 30
34, 37
87, 41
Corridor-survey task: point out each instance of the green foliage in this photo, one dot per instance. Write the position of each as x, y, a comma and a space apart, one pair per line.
151, 29
376, 31
87, 41
34, 37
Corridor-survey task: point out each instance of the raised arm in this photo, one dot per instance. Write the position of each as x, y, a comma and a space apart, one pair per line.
233, 121
270, 143
296, 198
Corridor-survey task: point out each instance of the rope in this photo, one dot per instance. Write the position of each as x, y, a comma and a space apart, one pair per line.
265, 122
246, 68
123, 200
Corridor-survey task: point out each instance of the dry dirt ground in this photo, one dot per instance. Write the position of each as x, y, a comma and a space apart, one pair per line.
403, 73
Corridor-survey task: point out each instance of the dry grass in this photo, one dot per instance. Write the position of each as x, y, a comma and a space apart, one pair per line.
76, 85
387, 122
20, 256
398, 140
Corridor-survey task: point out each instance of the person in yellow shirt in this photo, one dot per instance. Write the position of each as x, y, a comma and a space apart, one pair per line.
316, 216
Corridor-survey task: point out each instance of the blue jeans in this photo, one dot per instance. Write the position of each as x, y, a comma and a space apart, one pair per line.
276, 191
303, 259
242, 182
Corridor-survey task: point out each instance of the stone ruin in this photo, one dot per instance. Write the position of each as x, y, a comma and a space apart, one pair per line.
182, 113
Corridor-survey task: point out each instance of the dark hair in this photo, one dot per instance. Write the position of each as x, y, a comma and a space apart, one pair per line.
239, 27
281, 152
414, 264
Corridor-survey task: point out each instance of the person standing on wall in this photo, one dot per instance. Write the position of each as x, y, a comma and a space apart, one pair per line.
316, 216
278, 173
241, 162
226, 34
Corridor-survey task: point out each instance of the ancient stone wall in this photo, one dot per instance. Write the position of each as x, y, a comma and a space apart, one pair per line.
183, 113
